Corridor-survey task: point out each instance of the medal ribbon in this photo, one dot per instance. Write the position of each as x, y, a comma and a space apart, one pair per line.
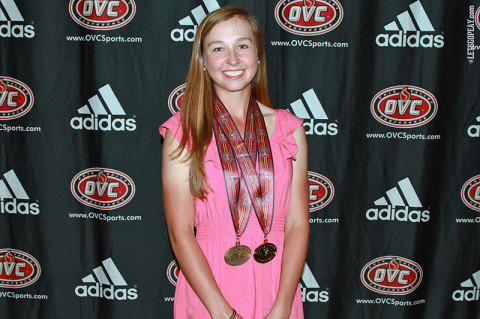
249, 182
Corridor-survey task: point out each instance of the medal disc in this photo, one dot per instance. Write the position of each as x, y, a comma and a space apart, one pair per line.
237, 255
265, 252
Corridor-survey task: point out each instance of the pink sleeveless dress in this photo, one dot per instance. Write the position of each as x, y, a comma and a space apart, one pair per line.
250, 288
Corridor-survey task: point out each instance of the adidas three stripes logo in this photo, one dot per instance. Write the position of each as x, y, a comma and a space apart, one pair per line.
10, 187
395, 197
10, 11
417, 12
199, 13
106, 274
313, 105
110, 102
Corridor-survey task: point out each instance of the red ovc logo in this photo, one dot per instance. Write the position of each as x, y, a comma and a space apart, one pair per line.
175, 98
309, 17
16, 98
321, 191
102, 14
392, 275
17, 269
404, 106
172, 272
477, 18
102, 188
471, 193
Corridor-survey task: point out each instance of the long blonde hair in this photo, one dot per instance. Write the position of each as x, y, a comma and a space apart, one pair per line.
198, 99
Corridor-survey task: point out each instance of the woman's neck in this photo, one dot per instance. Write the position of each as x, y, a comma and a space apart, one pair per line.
236, 103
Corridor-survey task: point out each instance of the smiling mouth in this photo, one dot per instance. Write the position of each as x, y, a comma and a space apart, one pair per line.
233, 73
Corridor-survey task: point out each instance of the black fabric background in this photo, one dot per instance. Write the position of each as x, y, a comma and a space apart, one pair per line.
64, 73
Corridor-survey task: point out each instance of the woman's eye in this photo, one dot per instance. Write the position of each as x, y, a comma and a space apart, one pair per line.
243, 46
217, 49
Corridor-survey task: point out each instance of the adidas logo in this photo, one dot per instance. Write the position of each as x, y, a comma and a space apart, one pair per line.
13, 198
471, 291
198, 14
406, 21
411, 24
310, 287
11, 10
399, 201
474, 130
103, 282
99, 115
395, 197
316, 113
9, 13
16, 187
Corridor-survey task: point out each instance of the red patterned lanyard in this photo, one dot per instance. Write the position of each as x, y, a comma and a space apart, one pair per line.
247, 166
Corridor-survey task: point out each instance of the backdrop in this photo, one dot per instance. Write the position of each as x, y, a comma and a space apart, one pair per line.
388, 91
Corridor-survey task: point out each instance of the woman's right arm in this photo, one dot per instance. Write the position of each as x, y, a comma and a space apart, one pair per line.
180, 213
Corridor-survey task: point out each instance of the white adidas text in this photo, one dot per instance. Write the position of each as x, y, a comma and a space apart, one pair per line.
403, 214
407, 39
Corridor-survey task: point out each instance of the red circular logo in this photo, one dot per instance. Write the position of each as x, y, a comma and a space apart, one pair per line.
175, 98
19, 269
404, 106
471, 193
172, 272
321, 191
102, 15
309, 17
16, 98
102, 188
477, 18
392, 275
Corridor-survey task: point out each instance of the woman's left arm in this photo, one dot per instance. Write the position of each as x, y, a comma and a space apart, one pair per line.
296, 232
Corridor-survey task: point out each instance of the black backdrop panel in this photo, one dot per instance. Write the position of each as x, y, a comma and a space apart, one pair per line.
388, 91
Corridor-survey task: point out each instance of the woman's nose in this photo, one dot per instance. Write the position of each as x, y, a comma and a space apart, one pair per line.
233, 57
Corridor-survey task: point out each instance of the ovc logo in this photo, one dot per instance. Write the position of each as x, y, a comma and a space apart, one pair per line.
471, 193
102, 188
404, 106
102, 14
16, 98
17, 269
309, 17
321, 191
175, 98
392, 275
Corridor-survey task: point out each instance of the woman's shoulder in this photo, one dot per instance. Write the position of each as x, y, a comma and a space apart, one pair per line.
287, 122
173, 124
280, 119
286, 114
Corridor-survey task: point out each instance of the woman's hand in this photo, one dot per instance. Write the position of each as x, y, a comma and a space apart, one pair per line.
277, 313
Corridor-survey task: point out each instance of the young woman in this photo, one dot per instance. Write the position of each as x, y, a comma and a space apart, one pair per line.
235, 181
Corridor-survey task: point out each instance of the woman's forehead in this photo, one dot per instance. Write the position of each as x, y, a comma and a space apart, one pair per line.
234, 27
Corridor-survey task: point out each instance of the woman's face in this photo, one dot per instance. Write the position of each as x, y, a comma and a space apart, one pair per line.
230, 56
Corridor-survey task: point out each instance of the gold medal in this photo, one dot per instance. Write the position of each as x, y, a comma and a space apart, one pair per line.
237, 255
265, 252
